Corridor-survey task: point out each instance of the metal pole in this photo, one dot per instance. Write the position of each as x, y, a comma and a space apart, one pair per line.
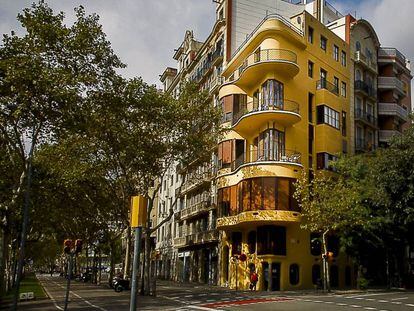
137, 246
68, 282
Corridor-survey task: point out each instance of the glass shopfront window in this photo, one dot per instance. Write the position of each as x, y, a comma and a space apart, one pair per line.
263, 193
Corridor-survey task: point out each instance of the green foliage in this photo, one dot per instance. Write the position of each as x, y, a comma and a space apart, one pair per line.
362, 283
329, 202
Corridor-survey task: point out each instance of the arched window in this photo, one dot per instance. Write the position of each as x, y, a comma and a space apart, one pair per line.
251, 241
334, 276
358, 46
294, 274
316, 274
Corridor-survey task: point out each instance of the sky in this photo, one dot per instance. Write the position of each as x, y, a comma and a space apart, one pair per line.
144, 33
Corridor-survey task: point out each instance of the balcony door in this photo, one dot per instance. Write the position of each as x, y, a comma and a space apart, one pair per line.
271, 145
272, 95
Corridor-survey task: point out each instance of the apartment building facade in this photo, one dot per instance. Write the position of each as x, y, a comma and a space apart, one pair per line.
194, 237
286, 102
299, 84
380, 86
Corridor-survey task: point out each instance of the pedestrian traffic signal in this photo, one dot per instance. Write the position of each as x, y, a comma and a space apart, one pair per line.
67, 246
78, 246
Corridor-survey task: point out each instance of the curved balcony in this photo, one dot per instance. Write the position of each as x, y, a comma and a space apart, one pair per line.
268, 156
282, 61
262, 217
284, 112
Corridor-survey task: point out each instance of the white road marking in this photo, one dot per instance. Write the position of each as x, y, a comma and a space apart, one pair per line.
51, 297
400, 298
409, 304
203, 308
341, 304
367, 295
382, 301
77, 295
370, 308
396, 302
355, 306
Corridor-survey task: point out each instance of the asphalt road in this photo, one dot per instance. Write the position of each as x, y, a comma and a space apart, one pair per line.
172, 296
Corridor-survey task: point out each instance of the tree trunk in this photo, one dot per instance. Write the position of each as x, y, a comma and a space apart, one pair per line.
127, 261
147, 268
387, 266
3, 260
112, 264
326, 283
98, 281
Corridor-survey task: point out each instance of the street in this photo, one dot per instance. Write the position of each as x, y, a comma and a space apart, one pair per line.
174, 296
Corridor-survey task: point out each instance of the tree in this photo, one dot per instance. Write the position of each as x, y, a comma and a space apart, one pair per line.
393, 201
45, 76
142, 132
330, 203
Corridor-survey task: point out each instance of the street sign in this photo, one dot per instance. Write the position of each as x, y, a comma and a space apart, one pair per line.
138, 211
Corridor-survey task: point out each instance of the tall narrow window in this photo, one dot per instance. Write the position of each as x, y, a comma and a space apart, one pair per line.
323, 76
310, 35
310, 107
336, 84
324, 43
343, 58
336, 53
310, 69
343, 89
343, 123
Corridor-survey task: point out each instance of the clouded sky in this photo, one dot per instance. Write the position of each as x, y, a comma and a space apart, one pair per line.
144, 33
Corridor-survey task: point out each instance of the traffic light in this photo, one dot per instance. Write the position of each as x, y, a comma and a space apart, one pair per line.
78, 246
67, 246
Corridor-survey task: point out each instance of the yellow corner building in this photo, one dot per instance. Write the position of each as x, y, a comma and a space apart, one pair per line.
297, 82
285, 101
